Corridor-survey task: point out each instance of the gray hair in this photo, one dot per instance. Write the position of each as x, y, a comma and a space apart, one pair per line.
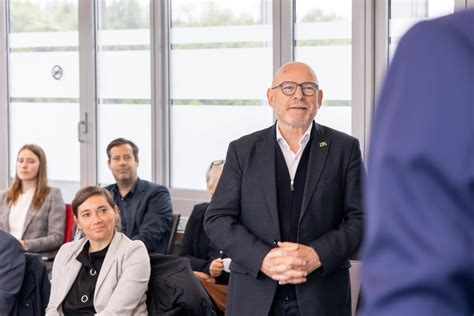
213, 175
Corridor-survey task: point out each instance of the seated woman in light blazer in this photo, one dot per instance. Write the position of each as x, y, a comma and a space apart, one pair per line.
30, 210
104, 273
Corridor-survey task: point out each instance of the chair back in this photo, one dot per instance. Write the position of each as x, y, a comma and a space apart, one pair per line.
173, 233
35, 288
69, 223
173, 290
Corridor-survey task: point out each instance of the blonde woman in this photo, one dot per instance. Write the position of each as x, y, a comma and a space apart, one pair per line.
30, 210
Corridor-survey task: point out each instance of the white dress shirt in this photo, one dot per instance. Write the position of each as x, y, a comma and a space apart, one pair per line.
293, 159
18, 213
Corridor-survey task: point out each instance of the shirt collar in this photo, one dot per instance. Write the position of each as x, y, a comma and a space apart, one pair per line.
132, 191
304, 139
135, 186
85, 257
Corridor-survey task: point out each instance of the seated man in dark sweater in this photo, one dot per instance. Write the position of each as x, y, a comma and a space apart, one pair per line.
145, 207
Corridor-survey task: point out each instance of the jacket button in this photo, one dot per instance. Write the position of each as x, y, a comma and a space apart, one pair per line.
84, 298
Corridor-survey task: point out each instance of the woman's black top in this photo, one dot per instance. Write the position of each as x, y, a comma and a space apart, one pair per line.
80, 299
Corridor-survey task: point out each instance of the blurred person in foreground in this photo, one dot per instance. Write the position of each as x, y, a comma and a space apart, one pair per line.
418, 257
12, 270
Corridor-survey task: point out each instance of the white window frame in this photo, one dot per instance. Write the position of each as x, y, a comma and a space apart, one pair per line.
369, 63
363, 77
4, 97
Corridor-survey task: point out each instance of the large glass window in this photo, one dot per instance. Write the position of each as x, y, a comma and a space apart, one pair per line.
323, 39
405, 13
123, 81
221, 66
44, 86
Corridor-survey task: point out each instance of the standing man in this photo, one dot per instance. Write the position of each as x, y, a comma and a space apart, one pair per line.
287, 209
145, 207
12, 270
419, 251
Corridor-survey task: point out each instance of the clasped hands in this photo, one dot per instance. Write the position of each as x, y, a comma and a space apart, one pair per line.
290, 263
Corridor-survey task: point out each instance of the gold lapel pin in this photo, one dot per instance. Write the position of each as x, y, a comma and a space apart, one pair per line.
323, 144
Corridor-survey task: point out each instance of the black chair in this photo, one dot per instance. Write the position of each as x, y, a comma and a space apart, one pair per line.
35, 289
174, 231
173, 290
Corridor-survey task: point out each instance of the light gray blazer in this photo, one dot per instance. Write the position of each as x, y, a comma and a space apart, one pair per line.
44, 227
122, 283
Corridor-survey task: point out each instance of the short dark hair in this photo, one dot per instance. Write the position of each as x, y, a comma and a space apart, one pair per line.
122, 141
83, 194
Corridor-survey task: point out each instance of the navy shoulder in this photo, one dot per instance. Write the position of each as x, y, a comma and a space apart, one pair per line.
202, 205
154, 187
200, 208
457, 26
8, 239
461, 22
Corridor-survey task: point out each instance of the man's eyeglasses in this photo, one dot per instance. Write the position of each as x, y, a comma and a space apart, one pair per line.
217, 163
289, 87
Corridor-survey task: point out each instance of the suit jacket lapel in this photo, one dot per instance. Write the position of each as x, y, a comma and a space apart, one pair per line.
317, 158
71, 271
29, 217
266, 168
109, 260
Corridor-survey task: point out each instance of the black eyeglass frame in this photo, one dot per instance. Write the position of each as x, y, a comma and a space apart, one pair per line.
314, 84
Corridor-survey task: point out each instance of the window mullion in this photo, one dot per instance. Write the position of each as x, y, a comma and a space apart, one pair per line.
4, 99
160, 97
88, 91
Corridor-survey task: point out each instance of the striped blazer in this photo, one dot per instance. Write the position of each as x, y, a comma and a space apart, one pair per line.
44, 227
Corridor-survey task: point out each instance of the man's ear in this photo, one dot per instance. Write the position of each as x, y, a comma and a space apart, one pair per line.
320, 98
270, 96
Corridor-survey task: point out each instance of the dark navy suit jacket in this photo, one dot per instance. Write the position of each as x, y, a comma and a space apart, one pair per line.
243, 220
419, 251
12, 270
148, 214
